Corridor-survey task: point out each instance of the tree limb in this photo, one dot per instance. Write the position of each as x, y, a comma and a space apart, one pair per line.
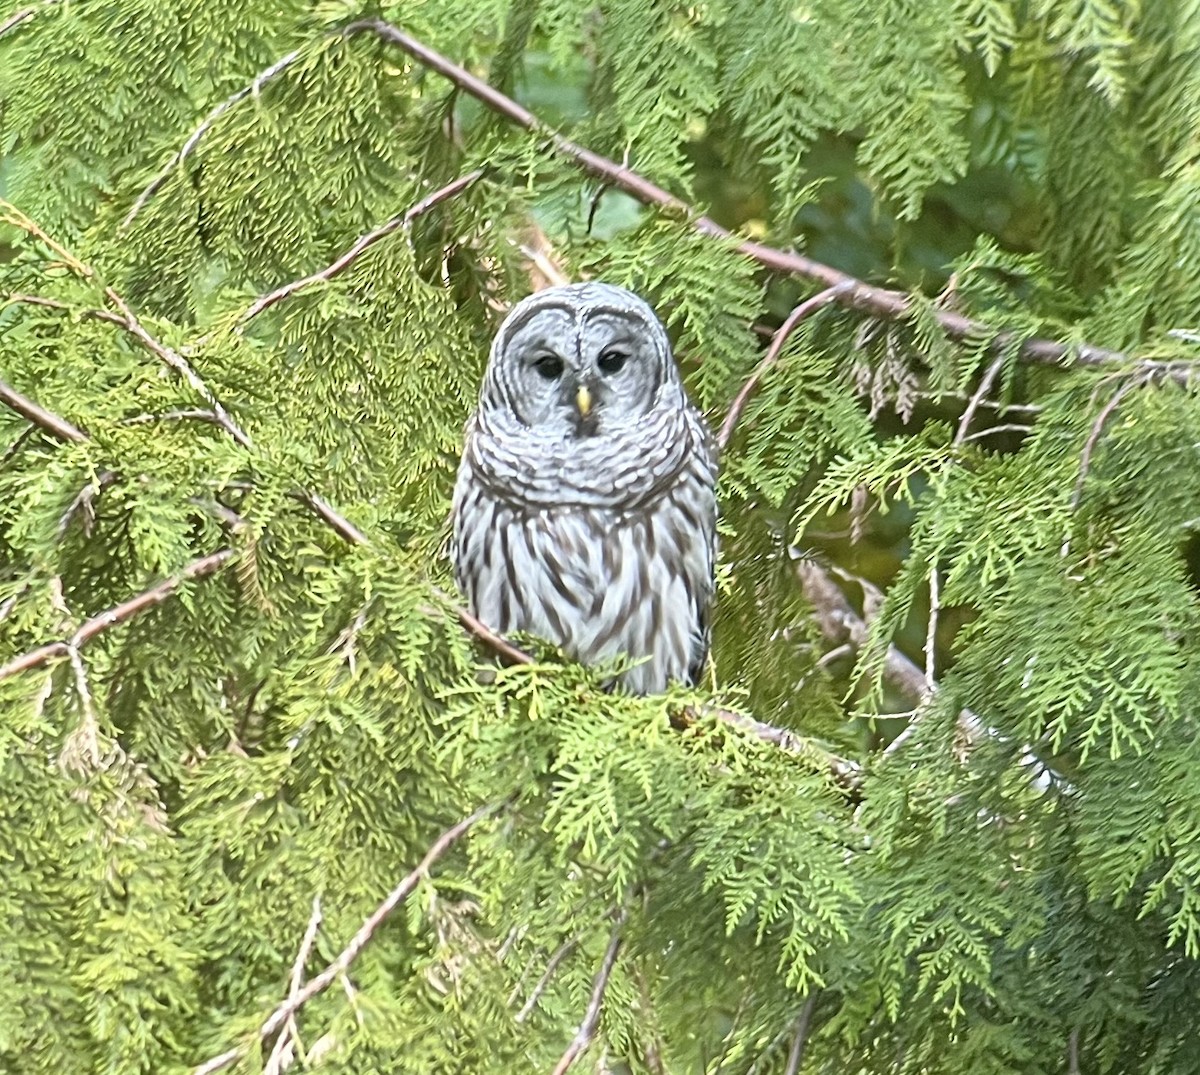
805, 310
147, 599
362, 244
880, 302
591, 1018
57, 427
297, 999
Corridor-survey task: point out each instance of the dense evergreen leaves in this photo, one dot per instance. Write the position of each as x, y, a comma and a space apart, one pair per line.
1013, 885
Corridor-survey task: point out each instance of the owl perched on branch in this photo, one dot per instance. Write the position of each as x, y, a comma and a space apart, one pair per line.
585, 510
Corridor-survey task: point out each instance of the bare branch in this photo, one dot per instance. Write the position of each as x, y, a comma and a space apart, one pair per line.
15, 20
260, 80
361, 245
805, 310
563, 951
147, 599
23, 16
985, 385
358, 942
1007, 427
932, 626
289, 1037
591, 1019
800, 1039
57, 427
880, 302
183, 414
1102, 418
322, 509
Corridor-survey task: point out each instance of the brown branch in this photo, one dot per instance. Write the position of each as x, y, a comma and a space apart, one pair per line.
800, 1039
985, 384
24, 15
358, 942
15, 20
563, 951
57, 427
591, 1018
805, 310
147, 599
289, 1037
877, 301
839, 623
1102, 418
362, 244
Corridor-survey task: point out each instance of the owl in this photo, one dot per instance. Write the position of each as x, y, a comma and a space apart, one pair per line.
585, 508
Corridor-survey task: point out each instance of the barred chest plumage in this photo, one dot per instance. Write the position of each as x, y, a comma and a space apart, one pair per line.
597, 581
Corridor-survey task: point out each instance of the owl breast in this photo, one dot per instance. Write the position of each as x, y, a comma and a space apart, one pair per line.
596, 580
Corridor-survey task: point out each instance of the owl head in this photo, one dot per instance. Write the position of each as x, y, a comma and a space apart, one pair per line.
578, 361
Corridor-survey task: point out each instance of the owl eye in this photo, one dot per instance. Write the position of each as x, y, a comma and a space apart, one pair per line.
612, 360
549, 366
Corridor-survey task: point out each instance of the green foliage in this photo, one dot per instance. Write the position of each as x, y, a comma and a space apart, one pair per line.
1015, 887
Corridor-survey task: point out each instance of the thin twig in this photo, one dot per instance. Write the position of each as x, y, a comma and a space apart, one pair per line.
805, 310
880, 302
13, 21
23, 16
1008, 427
260, 80
147, 599
289, 1037
591, 1019
183, 414
542, 263
1102, 418
564, 950
985, 385
1073, 1052
83, 502
358, 942
800, 1039
360, 245
932, 626
81, 751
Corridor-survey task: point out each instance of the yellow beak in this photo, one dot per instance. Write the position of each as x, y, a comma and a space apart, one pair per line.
583, 400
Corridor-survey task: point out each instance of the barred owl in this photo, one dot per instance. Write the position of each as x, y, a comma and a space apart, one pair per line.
584, 510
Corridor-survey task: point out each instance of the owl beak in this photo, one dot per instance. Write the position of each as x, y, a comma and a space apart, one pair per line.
583, 400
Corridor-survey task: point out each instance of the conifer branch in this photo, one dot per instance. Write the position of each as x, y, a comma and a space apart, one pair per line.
858, 295
124, 316
561, 953
147, 599
288, 1039
357, 943
255, 87
360, 246
803, 311
591, 1018
57, 427
1106, 412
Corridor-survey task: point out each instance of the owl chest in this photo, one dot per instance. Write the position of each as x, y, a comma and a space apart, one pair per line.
584, 579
